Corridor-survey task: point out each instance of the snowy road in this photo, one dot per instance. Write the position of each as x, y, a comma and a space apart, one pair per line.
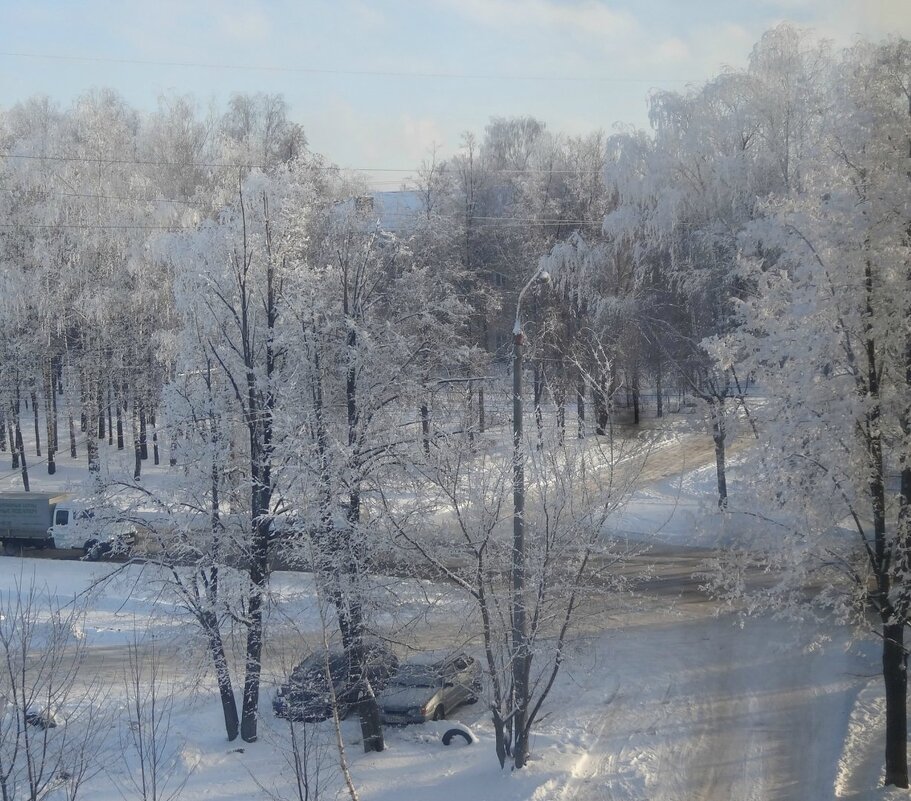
668, 702
693, 707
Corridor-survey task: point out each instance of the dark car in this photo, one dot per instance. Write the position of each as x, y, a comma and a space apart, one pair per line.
422, 691
305, 696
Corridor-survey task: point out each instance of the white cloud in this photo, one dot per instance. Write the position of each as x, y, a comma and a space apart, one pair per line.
243, 25
365, 15
582, 18
671, 51
844, 20
358, 138
419, 136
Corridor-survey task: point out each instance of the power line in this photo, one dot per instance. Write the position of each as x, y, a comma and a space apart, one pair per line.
321, 167
89, 196
401, 215
484, 221
335, 71
99, 225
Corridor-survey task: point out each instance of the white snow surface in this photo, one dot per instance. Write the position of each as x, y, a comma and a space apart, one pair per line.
663, 700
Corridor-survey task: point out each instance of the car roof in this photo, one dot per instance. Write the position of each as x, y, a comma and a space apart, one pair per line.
436, 660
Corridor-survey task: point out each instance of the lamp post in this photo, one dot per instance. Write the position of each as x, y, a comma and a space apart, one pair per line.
521, 663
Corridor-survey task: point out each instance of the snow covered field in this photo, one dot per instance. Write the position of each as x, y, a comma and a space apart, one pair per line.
662, 697
663, 701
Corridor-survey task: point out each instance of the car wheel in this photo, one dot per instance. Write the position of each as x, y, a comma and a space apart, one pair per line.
439, 713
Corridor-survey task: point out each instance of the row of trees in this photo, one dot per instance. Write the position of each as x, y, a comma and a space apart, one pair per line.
213, 274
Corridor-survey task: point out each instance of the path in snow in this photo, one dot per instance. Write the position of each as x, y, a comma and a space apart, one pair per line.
692, 707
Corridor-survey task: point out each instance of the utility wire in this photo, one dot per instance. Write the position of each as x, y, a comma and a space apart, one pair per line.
484, 221
132, 199
336, 71
390, 213
322, 167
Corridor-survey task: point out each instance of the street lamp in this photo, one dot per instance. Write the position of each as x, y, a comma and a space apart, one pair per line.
521, 664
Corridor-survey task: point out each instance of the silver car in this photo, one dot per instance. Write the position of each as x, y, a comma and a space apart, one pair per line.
421, 692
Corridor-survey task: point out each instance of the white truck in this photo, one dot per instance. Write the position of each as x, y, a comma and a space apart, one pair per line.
54, 520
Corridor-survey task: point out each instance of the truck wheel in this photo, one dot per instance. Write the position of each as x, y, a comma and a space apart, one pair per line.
91, 551
10, 548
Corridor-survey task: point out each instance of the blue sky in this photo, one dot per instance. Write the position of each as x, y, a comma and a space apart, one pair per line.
579, 65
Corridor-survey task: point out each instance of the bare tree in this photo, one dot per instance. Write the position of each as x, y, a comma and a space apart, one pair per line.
153, 767
571, 494
51, 727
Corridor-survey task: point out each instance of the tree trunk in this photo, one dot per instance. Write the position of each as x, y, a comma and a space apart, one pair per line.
49, 421
538, 393
659, 397
72, 437
91, 446
34, 396
469, 412
501, 741
602, 417
560, 400
137, 450
636, 398
425, 428
260, 407
580, 406
110, 421
22, 461
120, 444
518, 630
895, 676
222, 675
2, 432
351, 620
55, 424
143, 441
716, 409
482, 422
14, 447
260, 434
253, 664
610, 405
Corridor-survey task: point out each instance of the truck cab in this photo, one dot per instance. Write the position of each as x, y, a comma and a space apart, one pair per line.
77, 527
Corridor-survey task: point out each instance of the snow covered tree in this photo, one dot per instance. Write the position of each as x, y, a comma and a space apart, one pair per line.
571, 494
825, 334
230, 284
370, 318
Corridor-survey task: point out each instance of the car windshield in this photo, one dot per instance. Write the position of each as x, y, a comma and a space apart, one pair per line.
314, 667
416, 676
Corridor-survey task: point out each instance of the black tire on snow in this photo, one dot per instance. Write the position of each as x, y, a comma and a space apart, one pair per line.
451, 733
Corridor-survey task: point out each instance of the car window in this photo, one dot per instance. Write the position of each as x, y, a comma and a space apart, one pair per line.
61, 517
416, 676
313, 667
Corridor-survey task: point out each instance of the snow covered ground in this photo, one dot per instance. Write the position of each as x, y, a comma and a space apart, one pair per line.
661, 699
